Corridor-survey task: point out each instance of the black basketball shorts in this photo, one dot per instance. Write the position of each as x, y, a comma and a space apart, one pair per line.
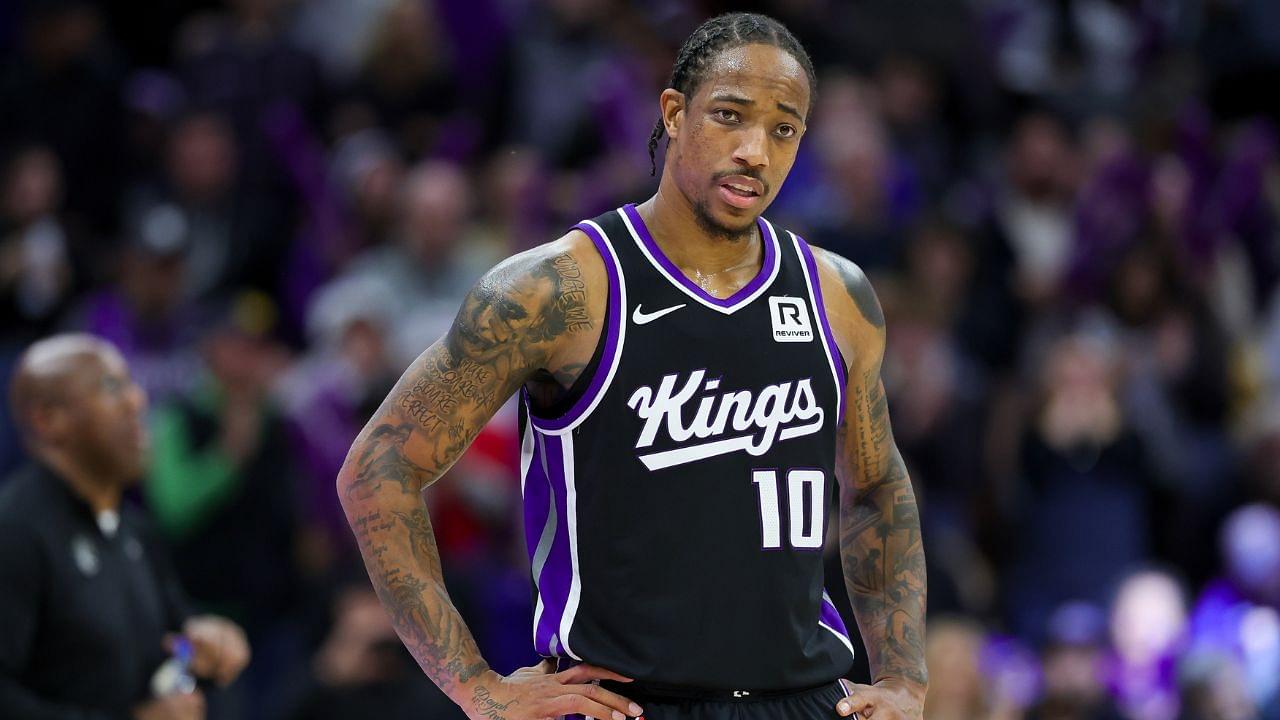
817, 703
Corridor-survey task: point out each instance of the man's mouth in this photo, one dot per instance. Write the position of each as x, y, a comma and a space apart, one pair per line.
741, 191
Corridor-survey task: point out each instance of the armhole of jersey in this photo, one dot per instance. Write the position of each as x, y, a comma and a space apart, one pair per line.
580, 386
595, 379
839, 371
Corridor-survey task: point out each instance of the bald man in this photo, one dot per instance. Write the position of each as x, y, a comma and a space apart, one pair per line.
89, 610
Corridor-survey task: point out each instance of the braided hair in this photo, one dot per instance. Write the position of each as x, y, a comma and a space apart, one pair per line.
724, 32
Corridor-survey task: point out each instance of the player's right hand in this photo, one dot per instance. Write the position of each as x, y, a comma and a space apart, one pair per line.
179, 706
537, 693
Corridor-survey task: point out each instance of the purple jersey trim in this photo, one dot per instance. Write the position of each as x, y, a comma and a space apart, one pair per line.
612, 342
557, 573
766, 267
537, 497
833, 351
831, 617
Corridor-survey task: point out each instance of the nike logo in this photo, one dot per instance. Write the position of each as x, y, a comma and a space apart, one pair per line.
640, 318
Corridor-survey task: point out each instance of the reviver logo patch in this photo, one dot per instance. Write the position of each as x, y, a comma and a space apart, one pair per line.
790, 317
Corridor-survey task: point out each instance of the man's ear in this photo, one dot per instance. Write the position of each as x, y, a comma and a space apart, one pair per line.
672, 102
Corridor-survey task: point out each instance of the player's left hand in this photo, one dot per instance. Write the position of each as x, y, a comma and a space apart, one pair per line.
888, 699
219, 646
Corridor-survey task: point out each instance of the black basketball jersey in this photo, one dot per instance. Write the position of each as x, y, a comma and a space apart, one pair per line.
675, 514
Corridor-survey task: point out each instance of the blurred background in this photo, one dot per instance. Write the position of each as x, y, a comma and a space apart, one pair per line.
1069, 209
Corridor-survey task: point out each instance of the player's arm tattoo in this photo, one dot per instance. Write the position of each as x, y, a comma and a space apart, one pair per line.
486, 706
880, 545
506, 330
859, 288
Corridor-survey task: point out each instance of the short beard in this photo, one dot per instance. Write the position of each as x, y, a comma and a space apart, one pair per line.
702, 215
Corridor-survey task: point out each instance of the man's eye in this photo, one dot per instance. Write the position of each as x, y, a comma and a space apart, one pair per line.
786, 131
726, 115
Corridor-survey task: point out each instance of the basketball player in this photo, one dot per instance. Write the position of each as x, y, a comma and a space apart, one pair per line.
695, 382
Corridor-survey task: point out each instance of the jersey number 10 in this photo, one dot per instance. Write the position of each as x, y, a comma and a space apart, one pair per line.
805, 507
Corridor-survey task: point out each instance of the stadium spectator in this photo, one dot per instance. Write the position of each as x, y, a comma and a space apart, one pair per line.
954, 655
1088, 490
222, 487
430, 259
147, 311
36, 277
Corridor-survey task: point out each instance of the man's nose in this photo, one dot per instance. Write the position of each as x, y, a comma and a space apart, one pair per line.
137, 397
752, 149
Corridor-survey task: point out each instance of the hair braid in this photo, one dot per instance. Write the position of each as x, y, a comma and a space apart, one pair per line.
720, 33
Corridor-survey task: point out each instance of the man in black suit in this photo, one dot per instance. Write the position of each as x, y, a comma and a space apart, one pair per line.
89, 608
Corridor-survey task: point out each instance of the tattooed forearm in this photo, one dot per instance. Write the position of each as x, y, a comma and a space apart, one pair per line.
880, 545
487, 707
884, 572
420, 609
507, 328
421, 537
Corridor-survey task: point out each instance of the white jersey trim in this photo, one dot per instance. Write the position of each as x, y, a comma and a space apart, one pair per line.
571, 510
548, 535
819, 313
840, 636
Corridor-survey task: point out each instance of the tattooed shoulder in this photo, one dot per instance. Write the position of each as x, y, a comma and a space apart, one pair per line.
525, 305
855, 284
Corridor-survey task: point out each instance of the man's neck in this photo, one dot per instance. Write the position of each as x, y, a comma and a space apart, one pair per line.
101, 493
674, 225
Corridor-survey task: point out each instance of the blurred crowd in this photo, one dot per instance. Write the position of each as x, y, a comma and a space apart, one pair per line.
1069, 208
